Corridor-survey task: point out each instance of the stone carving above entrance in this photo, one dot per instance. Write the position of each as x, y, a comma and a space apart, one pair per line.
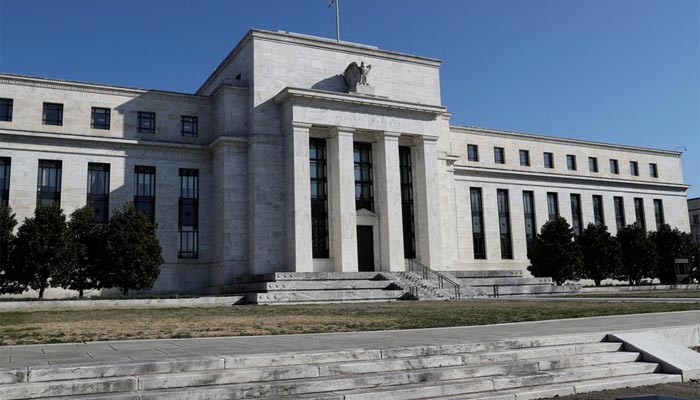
356, 78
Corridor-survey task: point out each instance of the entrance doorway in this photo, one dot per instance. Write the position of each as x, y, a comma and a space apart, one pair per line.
365, 248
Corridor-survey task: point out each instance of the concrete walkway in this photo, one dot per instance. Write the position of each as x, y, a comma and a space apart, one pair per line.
124, 351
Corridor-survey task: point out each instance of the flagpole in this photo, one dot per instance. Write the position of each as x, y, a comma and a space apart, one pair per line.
337, 21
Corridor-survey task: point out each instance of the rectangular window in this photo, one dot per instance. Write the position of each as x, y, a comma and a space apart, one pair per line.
5, 109
409, 230
634, 168
576, 222
598, 217
319, 198
499, 155
5, 163
504, 224
653, 171
525, 158
49, 183
548, 160
98, 190
619, 212
364, 185
145, 191
146, 122
188, 214
529, 209
100, 118
614, 168
639, 212
552, 205
53, 114
659, 213
571, 162
189, 126
478, 224
593, 164
472, 152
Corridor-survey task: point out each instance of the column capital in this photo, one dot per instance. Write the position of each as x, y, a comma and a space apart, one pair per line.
426, 139
390, 135
341, 131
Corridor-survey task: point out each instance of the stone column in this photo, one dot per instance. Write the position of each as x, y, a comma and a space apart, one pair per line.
343, 228
427, 203
388, 201
299, 254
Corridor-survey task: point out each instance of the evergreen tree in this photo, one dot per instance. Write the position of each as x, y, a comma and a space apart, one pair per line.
7, 227
639, 258
133, 251
39, 254
670, 245
555, 254
601, 253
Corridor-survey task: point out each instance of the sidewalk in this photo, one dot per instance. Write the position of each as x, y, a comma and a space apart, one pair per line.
124, 351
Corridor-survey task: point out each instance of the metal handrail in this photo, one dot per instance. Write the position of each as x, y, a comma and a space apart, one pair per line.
425, 271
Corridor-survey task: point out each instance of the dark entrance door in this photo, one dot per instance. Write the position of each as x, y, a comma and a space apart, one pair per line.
365, 248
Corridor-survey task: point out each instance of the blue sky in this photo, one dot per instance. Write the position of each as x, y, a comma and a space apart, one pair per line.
622, 71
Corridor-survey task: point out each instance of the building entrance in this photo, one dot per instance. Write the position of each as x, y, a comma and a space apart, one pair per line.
365, 248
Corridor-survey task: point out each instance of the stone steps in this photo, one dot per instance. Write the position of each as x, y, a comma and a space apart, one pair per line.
346, 284
505, 281
526, 290
310, 296
488, 368
493, 273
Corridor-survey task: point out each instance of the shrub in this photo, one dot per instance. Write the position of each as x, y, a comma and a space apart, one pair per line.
601, 253
39, 253
133, 251
639, 259
555, 253
670, 245
7, 227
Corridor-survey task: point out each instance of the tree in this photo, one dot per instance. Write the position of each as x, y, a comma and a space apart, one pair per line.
639, 258
670, 245
86, 246
555, 253
133, 251
602, 255
39, 253
7, 227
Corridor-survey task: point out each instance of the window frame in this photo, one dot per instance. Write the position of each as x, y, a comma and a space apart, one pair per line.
365, 197
43, 194
318, 182
593, 164
100, 198
530, 218
653, 170
146, 116
634, 168
52, 107
476, 203
143, 198
193, 121
659, 213
598, 210
504, 228
576, 215
6, 109
526, 161
614, 167
6, 169
548, 156
571, 162
407, 201
553, 204
475, 153
188, 198
107, 118
499, 155
619, 205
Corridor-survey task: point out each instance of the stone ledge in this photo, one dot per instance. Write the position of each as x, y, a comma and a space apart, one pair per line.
213, 301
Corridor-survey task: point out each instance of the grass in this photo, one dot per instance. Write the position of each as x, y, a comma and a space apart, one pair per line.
61, 326
646, 293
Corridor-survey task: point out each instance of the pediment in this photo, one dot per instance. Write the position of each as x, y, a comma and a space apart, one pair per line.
363, 212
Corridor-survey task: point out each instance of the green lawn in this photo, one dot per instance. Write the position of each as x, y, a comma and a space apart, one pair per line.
26, 327
646, 293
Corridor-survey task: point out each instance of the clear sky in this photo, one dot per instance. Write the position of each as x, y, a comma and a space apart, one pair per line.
622, 71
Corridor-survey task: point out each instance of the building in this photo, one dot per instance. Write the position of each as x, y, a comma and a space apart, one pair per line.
694, 215
302, 154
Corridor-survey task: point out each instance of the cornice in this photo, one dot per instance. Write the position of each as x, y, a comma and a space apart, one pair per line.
560, 140
335, 97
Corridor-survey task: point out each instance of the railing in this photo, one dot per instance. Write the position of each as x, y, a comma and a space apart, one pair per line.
425, 272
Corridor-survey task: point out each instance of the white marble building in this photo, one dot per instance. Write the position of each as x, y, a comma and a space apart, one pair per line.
277, 164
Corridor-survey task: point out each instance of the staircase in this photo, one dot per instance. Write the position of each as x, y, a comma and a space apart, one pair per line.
531, 368
502, 283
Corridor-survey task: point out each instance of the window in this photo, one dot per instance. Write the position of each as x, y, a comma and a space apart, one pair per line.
696, 219
552, 205
319, 198
619, 212
5, 109
548, 160
504, 224
409, 230
571, 162
653, 171
189, 126
576, 213
614, 168
499, 155
145, 191
98, 190
529, 209
524, 158
53, 114
364, 185
478, 224
49, 183
598, 217
659, 213
100, 118
639, 212
146, 122
634, 168
5, 163
472, 152
593, 164
188, 214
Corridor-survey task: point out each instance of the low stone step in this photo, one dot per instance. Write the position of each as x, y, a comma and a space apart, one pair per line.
345, 284
506, 273
505, 281
527, 290
305, 296
34, 390
309, 276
